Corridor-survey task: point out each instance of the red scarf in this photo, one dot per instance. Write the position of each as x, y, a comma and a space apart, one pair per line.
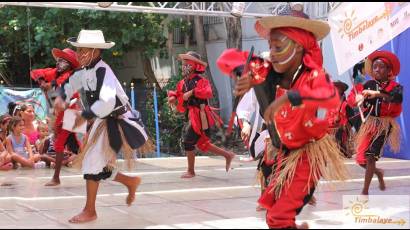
313, 55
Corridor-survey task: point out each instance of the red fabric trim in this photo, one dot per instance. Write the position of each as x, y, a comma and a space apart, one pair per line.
48, 74
63, 77
203, 143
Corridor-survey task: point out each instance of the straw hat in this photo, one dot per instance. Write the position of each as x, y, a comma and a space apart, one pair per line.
193, 56
66, 54
291, 18
90, 39
382, 54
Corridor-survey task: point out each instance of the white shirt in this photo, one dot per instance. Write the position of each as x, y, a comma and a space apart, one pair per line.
247, 108
111, 87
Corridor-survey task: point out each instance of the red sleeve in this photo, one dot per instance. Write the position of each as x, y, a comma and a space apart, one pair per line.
63, 77
48, 74
203, 89
391, 109
178, 93
318, 91
351, 99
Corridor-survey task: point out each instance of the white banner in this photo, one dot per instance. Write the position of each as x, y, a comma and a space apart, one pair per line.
359, 28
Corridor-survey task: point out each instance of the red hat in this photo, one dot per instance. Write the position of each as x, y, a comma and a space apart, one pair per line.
230, 59
68, 55
386, 56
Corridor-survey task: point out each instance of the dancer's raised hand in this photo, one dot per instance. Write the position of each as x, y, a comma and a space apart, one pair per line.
243, 85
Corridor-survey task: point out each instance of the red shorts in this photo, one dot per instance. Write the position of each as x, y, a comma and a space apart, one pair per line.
281, 212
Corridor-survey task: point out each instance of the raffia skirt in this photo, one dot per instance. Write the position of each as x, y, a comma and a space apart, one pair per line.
98, 152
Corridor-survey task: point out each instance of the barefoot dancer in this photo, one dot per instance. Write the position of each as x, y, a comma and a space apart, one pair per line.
112, 130
299, 96
382, 97
48, 79
192, 94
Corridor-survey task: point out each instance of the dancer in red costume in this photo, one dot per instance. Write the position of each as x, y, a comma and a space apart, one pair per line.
382, 99
340, 121
191, 95
300, 96
49, 79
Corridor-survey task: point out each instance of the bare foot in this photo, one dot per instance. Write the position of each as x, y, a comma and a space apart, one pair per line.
304, 225
365, 193
83, 217
52, 165
260, 208
187, 175
380, 176
53, 182
131, 190
312, 201
229, 161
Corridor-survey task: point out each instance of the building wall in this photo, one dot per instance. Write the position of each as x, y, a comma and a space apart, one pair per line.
131, 67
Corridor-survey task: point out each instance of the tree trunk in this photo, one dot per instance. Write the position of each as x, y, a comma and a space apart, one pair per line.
148, 72
187, 36
234, 37
199, 34
170, 42
234, 40
200, 41
234, 31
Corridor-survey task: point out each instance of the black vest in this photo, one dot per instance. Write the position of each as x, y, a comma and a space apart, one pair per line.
93, 96
190, 84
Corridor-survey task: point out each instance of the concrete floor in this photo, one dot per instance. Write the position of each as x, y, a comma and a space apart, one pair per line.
214, 199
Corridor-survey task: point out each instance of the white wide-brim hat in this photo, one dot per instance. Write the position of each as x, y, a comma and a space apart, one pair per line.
90, 39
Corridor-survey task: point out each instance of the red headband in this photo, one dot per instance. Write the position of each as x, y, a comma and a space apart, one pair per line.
385, 60
313, 55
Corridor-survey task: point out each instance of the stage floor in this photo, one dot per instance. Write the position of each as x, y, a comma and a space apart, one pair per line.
213, 199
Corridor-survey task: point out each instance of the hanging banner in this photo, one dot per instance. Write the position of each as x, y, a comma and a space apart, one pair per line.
359, 28
31, 96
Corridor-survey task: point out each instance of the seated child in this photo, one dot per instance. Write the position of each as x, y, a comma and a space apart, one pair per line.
18, 145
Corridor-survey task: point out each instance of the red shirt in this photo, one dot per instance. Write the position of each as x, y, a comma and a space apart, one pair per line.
381, 107
308, 122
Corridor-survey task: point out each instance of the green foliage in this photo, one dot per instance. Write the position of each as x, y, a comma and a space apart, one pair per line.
49, 28
180, 23
170, 122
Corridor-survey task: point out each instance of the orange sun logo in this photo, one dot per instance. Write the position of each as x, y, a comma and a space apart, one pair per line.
347, 23
356, 207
